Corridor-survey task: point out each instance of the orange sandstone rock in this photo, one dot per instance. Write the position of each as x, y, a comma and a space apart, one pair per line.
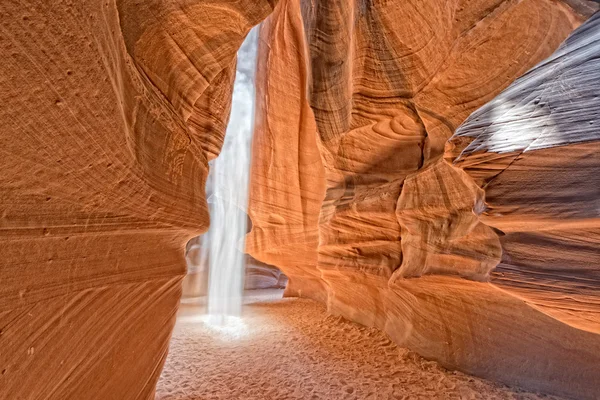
534, 151
399, 229
110, 112
287, 178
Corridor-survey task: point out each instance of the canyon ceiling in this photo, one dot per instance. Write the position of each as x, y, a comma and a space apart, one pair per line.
429, 168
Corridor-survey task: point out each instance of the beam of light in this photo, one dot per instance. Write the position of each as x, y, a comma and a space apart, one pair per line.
229, 176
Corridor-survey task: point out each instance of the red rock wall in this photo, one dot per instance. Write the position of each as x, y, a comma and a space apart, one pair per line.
110, 112
534, 151
287, 178
399, 228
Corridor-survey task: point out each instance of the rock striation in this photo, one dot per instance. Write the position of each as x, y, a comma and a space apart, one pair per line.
387, 96
287, 181
441, 235
110, 112
410, 240
534, 151
263, 276
480, 253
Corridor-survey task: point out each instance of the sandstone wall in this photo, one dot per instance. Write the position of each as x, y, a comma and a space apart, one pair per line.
405, 242
109, 113
535, 151
287, 177
388, 94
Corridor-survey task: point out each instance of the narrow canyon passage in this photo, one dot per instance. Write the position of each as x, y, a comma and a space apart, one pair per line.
291, 349
428, 169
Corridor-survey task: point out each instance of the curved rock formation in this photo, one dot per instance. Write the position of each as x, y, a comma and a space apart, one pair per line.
387, 96
399, 229
534, 150
110, 112
263, 276
440, 233
287, 178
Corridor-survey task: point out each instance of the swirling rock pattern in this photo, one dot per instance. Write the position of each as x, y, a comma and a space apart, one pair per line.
400, 229
534, 151
263, 276
387, 95
110, 112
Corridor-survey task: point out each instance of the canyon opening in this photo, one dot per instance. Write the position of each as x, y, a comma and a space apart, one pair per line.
299, 199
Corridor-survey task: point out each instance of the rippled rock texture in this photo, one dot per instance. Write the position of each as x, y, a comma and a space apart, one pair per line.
534, 150
111, 110
469, 273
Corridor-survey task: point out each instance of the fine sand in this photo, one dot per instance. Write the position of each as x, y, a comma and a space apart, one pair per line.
291, 349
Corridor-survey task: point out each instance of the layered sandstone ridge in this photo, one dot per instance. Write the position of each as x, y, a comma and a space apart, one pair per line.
534, 150
110, 112
287, 181
406, 241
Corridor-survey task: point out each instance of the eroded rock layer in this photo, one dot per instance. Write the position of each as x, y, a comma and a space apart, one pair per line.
110, 112
534, 150
287, 182
406, 241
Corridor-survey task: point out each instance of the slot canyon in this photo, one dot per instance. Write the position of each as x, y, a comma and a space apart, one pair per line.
422, 218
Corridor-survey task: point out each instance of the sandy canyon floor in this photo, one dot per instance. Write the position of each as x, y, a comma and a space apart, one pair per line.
291, 349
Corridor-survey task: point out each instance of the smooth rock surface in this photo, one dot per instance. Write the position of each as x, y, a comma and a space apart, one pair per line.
441, 235
287, 178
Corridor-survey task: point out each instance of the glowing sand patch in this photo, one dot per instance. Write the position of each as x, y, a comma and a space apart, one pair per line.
226, 327
229, 326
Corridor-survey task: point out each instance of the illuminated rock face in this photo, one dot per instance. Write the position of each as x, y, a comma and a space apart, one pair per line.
534, 149
407, 240
388, 95
441, 235
110, 112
